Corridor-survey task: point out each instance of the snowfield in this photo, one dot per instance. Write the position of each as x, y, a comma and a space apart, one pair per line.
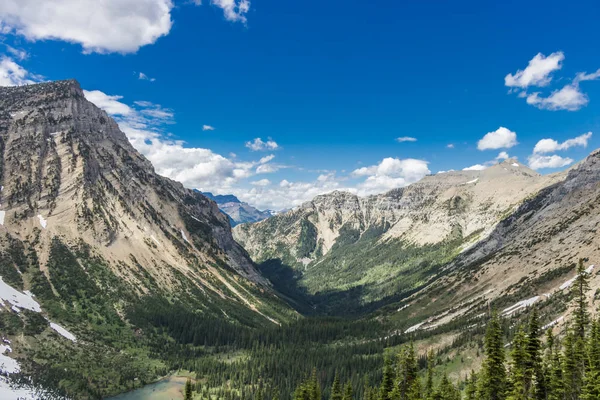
18, 299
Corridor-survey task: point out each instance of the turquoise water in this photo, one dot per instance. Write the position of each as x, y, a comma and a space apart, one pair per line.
166, 389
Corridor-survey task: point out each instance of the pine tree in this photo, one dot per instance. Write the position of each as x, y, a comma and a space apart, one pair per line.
579, 290
591, 388
429, 382
188, 390
446, 390
314, 386
556, 383
492, 380
534, 371
348, 394
406, 372
387, 383
336, 389
518, 371
471, 387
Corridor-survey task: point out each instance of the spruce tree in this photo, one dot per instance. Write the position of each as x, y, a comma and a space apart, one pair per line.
314, 386
518, 368
579, 289
429, 382
188, 390
387, 383
556, 383
492, 380
471, 387
591, 388
534, 371
336, 389
348, 394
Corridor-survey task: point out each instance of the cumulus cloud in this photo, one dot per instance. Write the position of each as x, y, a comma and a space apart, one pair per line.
476, 167
389, 174
143, 77
105, 26
12, 74
234, 10
498, 139
550, 145
569, 98
450, 145
262, 182
98, 26
538, 71
208, 128
288, 194
258, 145
538, 161
144, 123
406, 139
502, 156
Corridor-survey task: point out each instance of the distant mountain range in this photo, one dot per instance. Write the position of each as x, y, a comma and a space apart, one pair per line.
238, 211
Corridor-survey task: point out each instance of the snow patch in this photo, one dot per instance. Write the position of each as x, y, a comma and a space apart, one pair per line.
155, 240
16, 298
519, 306
305, 261
43, 221
183, 236
473, 181
8, 365
414, 328
568, 283
2, 215
63, 332
16, 309
515, 164
551, 324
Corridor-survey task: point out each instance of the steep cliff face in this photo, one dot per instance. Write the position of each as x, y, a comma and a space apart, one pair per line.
340, 241
238, 211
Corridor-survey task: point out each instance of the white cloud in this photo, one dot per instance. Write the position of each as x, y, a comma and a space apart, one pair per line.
538, 71
389, 174
499, 139
262, 182
476, 167
551, 145
267, 168
98, 26
406, 139
266, 159
17, 53
538, 161
143, 123
143, 77
582, 76
234, 10
258, 145
208, 128
502, 156
12, 74
569, 98
110, 104
450, 146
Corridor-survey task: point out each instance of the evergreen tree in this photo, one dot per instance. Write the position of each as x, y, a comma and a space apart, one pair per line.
188, 390
591, 388
579, 289
471, 387
556, 386
492, 380
348, 394
518, 368
406, 372
534, 371
314, 386
429, 382
336, 389
387, 383
446, 390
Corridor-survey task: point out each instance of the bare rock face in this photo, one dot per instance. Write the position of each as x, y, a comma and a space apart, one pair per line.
68, 172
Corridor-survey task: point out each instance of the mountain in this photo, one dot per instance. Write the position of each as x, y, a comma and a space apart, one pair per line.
97, 251
349, 252
238, 211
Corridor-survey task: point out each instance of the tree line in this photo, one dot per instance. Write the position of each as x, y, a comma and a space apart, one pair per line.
535, 369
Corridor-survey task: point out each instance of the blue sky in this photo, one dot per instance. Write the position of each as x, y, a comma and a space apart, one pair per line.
328, 87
